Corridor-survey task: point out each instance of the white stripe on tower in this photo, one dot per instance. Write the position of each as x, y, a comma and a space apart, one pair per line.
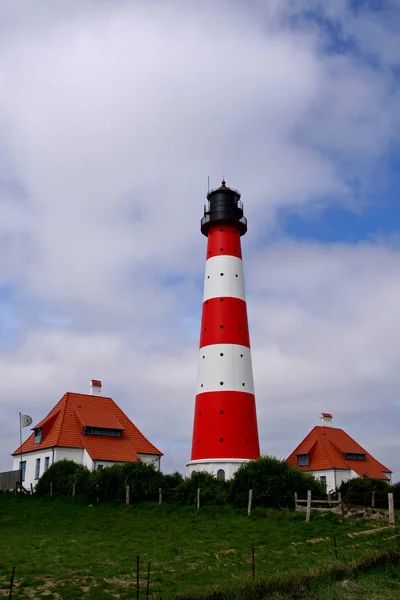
225, 367
224, 277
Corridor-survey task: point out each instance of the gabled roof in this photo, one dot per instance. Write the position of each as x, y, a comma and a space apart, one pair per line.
326, 448
64, 424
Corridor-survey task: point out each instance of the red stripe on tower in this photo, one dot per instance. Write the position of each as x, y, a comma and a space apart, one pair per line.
225, 432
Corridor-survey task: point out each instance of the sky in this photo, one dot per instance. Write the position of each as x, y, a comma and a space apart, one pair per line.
113, 114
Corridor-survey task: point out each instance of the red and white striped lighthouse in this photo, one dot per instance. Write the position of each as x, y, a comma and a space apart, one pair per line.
225, 432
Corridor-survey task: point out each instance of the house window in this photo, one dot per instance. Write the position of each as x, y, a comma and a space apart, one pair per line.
87, 430
38, 436
99, 467
353, 456
22, 466
323, 480
37, 468
302, 460
46, 462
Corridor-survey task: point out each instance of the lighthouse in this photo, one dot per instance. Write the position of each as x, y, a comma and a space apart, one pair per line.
225, 433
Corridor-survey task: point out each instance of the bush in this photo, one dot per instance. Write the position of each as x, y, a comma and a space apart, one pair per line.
172, 480
143, 479
213, 490
62, 475
273, 482
396, 494
359, 491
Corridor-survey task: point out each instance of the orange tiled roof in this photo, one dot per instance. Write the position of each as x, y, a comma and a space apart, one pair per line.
64, 423
326, 446
101, 418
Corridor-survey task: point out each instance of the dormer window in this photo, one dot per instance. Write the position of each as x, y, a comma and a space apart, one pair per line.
353, 456
302, 460
38, 436
87, 430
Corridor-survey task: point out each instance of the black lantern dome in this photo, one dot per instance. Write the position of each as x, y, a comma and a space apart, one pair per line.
224, 206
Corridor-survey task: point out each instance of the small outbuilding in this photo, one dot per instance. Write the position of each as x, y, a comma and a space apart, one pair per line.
89, 429
332, 456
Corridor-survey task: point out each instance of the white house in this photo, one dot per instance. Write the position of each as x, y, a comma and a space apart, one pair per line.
89, 429
332, 456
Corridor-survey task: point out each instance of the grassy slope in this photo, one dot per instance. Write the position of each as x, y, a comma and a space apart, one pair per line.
67, 548
379, 584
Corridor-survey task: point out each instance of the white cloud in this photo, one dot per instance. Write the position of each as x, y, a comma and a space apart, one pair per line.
112, 117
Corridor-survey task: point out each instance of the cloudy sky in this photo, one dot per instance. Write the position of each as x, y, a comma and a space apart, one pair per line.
113, 114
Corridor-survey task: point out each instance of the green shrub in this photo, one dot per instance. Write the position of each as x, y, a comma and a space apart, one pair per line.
359, 491
62, 475
143, 479
172, 480
273, 482
396, 494
213, 490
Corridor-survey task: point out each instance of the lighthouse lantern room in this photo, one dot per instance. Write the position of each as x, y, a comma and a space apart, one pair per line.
225, 433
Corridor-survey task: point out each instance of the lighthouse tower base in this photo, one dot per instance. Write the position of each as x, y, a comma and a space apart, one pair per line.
222, 468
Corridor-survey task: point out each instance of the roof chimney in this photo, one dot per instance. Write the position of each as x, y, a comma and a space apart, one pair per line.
95, 387
326, 419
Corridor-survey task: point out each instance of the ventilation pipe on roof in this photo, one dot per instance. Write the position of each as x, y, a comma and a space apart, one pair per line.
95, 387
326, 419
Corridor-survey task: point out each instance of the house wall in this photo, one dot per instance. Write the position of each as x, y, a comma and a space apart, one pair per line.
388, 475
330, 478
87, 462
75, 454
30, 459
334, 477
151, 459
344, 475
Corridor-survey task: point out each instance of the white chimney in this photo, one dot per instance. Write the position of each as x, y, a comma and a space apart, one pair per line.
326, 419
95, 387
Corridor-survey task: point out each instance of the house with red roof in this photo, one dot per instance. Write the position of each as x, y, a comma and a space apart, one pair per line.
89, 429
332, 456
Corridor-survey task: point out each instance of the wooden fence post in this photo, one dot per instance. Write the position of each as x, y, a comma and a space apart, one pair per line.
308, 513
250, 502
31, 489
73, 490
137, 576
198, 498
373, 500
11, 583
51, 488
148, 581
253, 561
340, 502
335, 546
127, 495
159, 495
295, 501
391, 508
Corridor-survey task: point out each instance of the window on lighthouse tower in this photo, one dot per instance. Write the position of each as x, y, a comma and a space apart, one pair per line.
221, 474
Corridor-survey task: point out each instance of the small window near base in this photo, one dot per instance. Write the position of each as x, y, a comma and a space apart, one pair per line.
221, 474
